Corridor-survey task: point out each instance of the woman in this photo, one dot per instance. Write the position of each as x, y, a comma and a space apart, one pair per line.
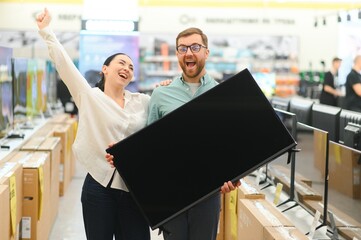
107, 113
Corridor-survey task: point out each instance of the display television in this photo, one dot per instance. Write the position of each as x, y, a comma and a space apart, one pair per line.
302, 107
51, 80
41, 87
31, 88
186, 156
19, 74
327, 118
94, 48
6, 105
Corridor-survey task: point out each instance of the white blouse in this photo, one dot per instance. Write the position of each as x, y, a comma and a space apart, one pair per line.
101, 120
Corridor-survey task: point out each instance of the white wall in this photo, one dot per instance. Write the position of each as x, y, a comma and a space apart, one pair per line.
316, 44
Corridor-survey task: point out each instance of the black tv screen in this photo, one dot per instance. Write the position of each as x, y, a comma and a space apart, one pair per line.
281, 103
302, 107
186, 156
327, 118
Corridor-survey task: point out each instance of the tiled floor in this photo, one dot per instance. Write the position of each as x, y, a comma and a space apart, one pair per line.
69, 224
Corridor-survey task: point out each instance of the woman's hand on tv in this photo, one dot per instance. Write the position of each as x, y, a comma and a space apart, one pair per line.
164, 82
109, 157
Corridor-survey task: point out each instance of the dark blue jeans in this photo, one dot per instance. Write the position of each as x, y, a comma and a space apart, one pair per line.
109, 213
198, 223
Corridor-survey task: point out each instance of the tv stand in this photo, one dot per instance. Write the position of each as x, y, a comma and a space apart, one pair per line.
15, 134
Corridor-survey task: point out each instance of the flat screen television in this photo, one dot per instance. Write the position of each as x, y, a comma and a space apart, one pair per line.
327, 118
20, 75
32, 89
347, 116
51, 80
6, 104
223, 134
289, 120
303, 109
281, 103
94, 48
266, 81
41, 87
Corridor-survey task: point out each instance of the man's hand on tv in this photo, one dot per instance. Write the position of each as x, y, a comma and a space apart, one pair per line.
230, 186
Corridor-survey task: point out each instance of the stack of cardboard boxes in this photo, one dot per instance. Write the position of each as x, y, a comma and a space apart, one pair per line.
11, 178
248, 215
36, 214
52, 146
33, 177
64, 127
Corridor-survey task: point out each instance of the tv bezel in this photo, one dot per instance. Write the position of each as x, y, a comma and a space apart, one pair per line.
205, 113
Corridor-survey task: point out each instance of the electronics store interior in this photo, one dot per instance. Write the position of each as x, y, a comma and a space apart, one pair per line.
302, 55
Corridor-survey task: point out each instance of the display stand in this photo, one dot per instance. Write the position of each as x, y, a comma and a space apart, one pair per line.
325, 191
292, 160
266, 179
292, 194
333, 227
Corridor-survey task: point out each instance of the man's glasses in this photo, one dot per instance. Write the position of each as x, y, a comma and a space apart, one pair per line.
182, 49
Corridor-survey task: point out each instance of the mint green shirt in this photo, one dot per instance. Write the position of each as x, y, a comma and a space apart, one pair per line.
165, 99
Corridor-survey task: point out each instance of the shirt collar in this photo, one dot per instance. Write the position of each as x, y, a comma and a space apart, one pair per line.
202, 80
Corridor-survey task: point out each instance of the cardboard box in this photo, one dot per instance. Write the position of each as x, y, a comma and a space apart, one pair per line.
61, 126
341, 219
36, 194
254, 215
220, 230
11, 175
319, 155
230, 215
4, 212
282, 170
344, 170
52, 146
247, 190
283, 233
73, 122
304, 191
47, 130
350, 233
63, 132
59, 118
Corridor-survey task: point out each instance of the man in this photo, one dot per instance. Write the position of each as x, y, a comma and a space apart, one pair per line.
201, 221
329, 93
353, 87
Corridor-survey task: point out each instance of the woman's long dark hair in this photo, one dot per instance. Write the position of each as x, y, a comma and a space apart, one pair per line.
107, 61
